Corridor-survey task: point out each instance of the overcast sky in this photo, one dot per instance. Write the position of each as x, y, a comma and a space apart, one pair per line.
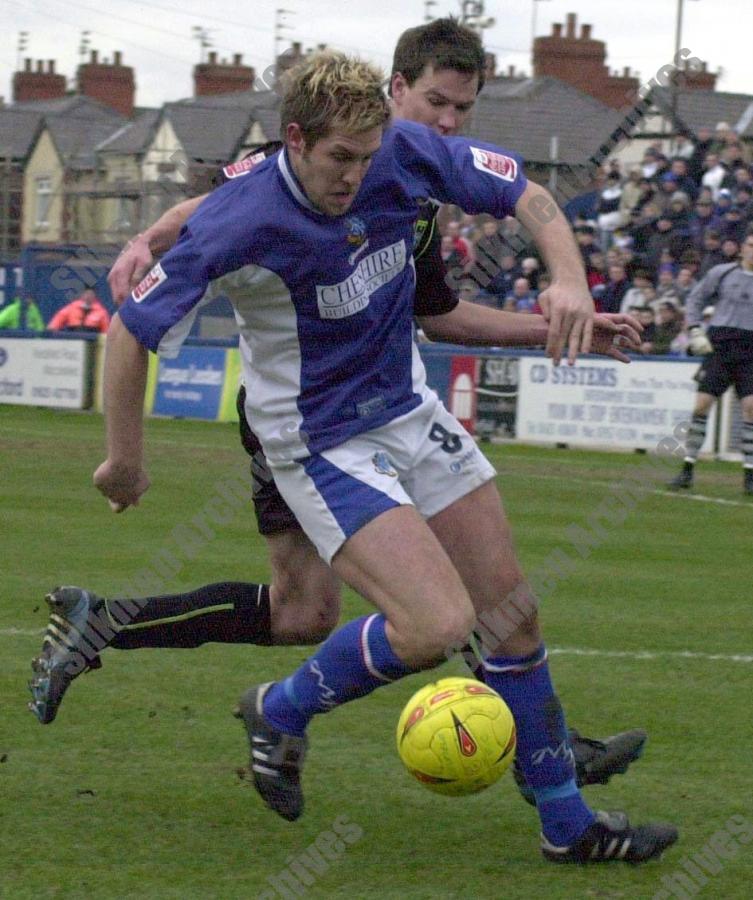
155, 37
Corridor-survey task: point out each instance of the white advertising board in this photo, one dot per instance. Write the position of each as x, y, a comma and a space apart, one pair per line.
38, 372
600, 403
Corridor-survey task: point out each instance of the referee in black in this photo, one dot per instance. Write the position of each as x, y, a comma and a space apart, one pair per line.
728, 355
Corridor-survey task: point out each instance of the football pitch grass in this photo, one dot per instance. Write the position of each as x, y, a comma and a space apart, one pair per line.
134, 790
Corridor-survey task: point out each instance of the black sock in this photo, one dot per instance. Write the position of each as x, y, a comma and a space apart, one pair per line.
231, 612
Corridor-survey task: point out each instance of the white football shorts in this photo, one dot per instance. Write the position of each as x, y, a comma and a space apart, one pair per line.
425, 459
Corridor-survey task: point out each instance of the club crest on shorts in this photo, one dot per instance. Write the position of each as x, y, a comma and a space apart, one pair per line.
382, 464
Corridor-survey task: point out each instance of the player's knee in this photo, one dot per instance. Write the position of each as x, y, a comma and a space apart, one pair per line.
324, 616
305, 616
431, 639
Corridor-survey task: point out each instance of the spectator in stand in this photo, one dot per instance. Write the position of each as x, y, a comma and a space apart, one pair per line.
669, 321
461, 244
653, 163
730, 250
679, 212
744, 199
643, 227
702, 217
732, 157
743, 180
684, 283
714, 174
703, 146
641, 291
679, 169
522, 298
21, 314
583, 206
503, 281
664, 239
684, 148
631, 194
596, 270
585, 235
85, 313
647, 195
712, 255
665, 286
645, 316
450, 254
734, 226
531, 269
608, 216
691, 259
723, 202
614, 290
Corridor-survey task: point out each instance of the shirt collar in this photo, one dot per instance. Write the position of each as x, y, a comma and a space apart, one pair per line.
294, 186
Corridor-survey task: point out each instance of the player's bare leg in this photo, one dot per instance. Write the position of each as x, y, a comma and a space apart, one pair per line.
397, 563
477, 537
304, 593
490, 570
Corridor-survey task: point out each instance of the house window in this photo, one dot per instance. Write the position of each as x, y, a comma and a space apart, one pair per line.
124, 214
43, 201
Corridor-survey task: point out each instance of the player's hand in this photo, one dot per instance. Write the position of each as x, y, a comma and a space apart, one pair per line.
130, 267
570, 313
122, 485
699, 344
616, 335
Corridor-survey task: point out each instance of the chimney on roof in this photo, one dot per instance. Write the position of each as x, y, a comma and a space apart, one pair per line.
580, 60
111, 83
37, 85
212, 77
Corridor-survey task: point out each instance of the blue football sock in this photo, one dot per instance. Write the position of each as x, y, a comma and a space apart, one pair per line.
543, 752
351, 663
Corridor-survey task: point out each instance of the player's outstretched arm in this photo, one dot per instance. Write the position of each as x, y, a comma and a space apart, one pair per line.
567, 304
121, 477
137, 257
475, 325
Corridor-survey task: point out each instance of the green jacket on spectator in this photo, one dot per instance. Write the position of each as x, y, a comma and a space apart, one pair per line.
12, 315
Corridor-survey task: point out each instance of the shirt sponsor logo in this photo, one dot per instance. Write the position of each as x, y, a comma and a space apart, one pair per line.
503, 167
337, 301
152, 280
356, 253
243, 166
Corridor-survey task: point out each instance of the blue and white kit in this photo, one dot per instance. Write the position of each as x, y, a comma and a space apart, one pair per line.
324, 304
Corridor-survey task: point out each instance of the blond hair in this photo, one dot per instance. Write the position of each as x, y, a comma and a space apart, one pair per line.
331, 91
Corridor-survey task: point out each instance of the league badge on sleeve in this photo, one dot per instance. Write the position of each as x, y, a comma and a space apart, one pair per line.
149, 282
504, 167
243, 166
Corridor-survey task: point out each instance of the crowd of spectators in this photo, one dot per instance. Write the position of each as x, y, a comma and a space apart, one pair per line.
83, 314
647, 235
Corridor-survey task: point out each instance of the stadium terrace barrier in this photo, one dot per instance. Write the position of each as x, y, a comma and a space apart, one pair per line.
497, 394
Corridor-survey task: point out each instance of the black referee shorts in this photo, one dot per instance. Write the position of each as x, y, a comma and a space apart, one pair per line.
273, 514
731, 363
